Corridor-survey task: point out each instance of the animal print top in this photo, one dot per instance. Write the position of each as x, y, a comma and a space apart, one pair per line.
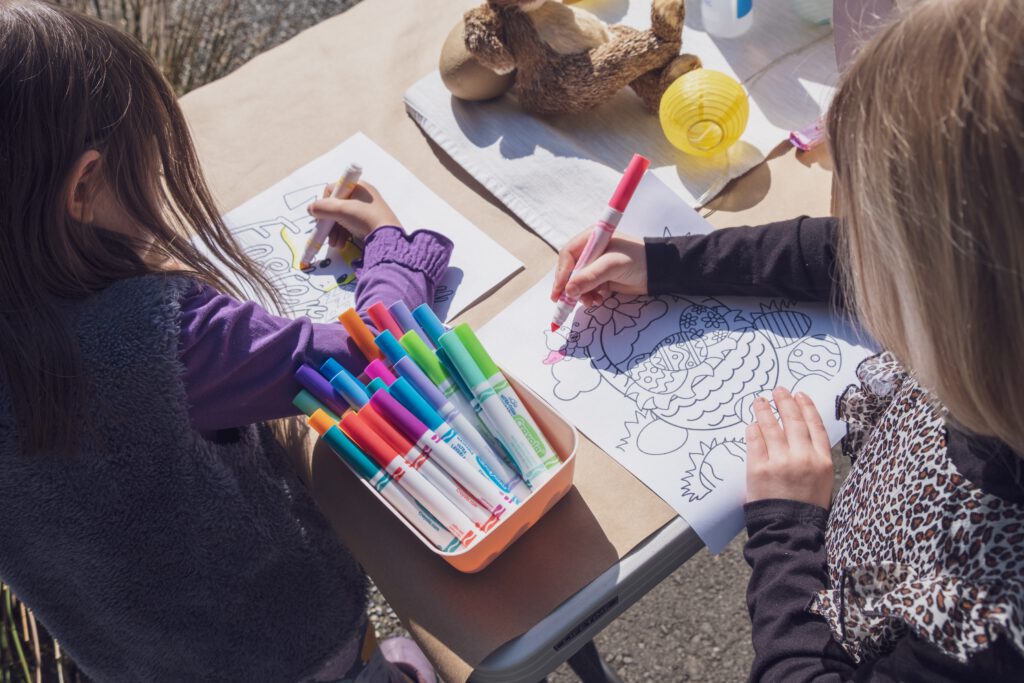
912, 544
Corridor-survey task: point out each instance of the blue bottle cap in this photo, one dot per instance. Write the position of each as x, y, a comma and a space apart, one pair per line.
350, 388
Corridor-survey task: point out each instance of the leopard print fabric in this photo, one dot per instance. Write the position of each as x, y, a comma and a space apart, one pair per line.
912, 544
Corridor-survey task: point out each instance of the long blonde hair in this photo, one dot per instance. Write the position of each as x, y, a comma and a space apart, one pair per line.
68, 84
927, 135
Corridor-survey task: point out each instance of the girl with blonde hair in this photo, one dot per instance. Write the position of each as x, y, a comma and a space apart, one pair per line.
916, 570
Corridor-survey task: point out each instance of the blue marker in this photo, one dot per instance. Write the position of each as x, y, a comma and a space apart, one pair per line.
375, 384
431, 324
380, 480
330, 368
390, 347
350, 388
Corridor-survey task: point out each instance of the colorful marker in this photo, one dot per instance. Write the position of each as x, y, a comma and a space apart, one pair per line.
431, 470
308, 404
383, 320
360, 334
344, 188
603, 231
350, 388
428, 320
379, 368
389, 346
432, 367
375, 385
403, 316
503, 476
356, 427
509, 398
528, 453
313, 382
440, 450
423, 521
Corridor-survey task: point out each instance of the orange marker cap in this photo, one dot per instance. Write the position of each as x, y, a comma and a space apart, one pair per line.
385, 430
360, 334
321, 421
357, 429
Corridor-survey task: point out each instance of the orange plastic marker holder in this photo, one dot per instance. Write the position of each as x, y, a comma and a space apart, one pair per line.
361, 334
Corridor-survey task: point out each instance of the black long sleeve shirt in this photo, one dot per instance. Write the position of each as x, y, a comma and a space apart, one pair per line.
796, 259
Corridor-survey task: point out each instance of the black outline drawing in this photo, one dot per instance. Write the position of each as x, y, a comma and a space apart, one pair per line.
700, 477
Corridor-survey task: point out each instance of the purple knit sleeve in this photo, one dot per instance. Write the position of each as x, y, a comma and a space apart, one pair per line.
239, 359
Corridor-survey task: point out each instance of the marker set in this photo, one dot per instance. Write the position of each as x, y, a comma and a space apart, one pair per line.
433, 426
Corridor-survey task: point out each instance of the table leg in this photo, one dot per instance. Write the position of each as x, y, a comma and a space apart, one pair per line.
589, 666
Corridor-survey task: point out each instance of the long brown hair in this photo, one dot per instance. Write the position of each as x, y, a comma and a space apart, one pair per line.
68, 84
927, 135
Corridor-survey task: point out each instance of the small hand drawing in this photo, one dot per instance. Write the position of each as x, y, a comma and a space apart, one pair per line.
707, 466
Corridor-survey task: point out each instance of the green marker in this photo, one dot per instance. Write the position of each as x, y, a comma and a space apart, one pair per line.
308, 404
526, 450
527, 425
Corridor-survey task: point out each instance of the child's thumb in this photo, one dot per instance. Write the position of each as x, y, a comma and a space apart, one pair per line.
589, 278
329, 207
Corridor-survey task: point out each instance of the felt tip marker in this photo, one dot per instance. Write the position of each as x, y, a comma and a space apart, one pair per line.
403, 316
526, 452
344, 188
423, 462
383, 320
602, 233
375, 385
308, 404
389, 346
313, 382
356, 427
428, 320
435, 370
350, 388
438, 448
508, 397
360, 334
381, 481
378, 369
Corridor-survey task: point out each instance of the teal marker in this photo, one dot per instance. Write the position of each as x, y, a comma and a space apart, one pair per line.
309, 404
526, 450
375, 384
380, 480
509, 398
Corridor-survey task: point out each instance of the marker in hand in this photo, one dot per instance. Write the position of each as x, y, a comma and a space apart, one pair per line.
603, 231
343, 190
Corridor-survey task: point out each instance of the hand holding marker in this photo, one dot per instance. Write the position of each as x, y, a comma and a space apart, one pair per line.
344, 188
603, 231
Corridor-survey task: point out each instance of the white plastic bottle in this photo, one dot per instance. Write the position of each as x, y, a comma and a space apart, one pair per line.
727, 18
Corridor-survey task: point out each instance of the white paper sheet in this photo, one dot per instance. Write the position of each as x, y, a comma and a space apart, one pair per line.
665, 384
273, 228
550, 170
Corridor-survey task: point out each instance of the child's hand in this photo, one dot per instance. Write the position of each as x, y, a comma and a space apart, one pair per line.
792, 461
621, 268
356, 217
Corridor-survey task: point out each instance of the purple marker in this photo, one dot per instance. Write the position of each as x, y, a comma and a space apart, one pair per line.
313, 382
435, 447
378, 369
403, 316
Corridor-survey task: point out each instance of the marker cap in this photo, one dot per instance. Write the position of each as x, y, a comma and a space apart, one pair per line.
351, 388
356, 427
461, 359
313, 382
446, 362
385, 404
330, 368
424, 357
403, 316
375, 385
321, 422
476, 350
429, 321
630, 179
359, 333
379, 370
387, 343
407, 395
407, 368
308, 404
382, 319
385, 430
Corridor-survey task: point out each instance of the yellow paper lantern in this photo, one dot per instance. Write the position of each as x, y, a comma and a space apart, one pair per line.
703, 112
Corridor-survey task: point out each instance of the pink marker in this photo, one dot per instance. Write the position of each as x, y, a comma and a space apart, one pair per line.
467, 476
382, 318
603, 231
379, 369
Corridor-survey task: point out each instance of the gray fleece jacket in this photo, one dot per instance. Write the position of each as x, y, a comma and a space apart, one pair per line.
154, 554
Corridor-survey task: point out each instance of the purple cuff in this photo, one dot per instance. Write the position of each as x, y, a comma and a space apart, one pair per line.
424, 251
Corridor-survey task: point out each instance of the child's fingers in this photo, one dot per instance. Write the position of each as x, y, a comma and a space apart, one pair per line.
815, 426
592, 276
792, 415
567, 256
328, 189
339, 236
757, 449
774, 439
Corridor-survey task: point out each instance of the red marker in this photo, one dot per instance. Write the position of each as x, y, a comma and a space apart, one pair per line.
357, 428
603, 231
383, 319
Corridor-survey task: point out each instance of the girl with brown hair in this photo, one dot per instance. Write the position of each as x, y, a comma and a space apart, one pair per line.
150, 518
916, 572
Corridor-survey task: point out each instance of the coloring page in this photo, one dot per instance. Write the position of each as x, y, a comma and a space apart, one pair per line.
273, 228
665, 384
